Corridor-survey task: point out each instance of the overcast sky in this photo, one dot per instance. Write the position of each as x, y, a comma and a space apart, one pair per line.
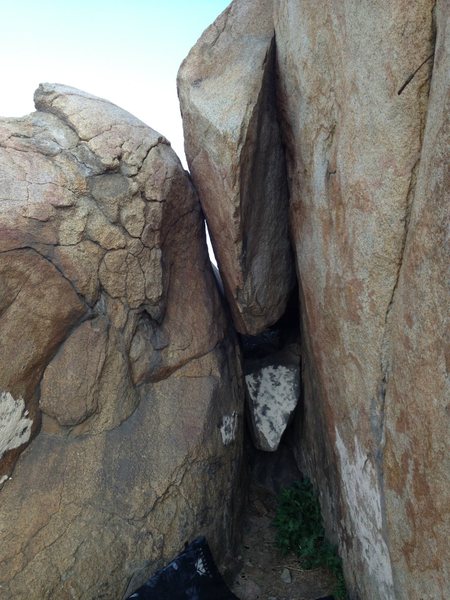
127, 51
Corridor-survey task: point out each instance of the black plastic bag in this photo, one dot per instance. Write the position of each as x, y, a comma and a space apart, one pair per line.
193, 575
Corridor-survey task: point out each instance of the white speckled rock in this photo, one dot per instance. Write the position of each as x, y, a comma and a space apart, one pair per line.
273, 393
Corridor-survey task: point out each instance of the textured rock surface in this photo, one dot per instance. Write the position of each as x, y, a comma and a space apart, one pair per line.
233, 146
114, 358
354, 148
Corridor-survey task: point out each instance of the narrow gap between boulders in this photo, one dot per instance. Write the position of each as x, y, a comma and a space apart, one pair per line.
272, 369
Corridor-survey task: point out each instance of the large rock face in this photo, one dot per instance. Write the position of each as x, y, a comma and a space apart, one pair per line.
417, 449
115, 365
367, 184
234, 150
356, 168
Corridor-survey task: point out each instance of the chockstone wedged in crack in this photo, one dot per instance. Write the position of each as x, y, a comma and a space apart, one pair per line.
272, 369
273, 393
115, 352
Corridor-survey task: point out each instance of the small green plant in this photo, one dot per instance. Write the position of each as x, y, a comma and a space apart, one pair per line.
300, 530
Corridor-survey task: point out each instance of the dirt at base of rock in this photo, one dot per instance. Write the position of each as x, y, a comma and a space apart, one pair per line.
265, 572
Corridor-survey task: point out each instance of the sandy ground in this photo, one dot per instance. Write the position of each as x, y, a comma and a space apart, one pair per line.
265, 573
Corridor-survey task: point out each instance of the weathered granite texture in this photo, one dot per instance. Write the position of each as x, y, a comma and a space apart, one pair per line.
233, 146
116, 367
368, 202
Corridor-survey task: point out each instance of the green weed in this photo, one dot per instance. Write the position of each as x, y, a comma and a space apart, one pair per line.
300, 530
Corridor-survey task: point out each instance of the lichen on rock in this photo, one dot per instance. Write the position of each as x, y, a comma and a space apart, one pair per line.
15, 426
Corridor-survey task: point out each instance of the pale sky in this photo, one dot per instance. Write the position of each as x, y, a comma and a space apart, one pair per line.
125, 51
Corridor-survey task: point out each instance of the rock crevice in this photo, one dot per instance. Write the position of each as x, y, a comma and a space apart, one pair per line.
355, 152
121, 378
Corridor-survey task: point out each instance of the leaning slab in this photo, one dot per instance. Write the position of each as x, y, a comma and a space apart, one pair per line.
233, 146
